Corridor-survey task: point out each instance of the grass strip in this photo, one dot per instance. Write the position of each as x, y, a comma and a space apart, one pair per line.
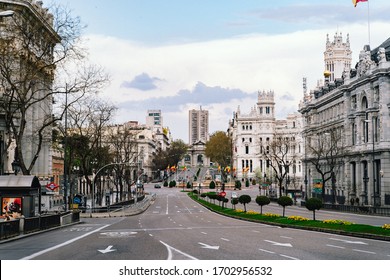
334, 226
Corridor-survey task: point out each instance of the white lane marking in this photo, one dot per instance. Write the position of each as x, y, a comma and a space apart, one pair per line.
278, 244
334, 246
204, 233
362, 251
170, 249
292, 258
206, 246
118, 234
286, 237
167, 206
349, 241
224, 239
62, 244
267, 251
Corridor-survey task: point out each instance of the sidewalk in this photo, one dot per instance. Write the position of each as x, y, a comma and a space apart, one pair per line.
128, 210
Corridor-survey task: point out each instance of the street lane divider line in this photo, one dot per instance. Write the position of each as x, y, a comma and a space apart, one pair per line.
170, 254
62, 244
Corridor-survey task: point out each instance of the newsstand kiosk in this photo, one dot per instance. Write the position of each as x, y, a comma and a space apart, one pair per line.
19, 195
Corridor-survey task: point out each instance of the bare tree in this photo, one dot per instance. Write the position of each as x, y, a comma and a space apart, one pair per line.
88, 118
36, 59
279, 152
124, 146
325, 152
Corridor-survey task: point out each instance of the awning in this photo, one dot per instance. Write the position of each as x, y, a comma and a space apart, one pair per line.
22, 181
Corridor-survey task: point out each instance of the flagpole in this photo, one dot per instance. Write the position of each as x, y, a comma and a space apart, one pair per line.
368, 20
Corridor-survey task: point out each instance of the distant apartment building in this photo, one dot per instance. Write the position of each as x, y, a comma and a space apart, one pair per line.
154, 121
198, 126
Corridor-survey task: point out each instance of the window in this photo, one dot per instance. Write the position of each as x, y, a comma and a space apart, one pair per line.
353, 102
247, 150
375, 121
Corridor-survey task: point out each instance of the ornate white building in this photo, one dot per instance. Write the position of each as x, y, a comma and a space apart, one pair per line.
252, 136
356, 104
27, 70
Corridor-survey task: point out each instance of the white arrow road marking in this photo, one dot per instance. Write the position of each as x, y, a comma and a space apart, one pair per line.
278, 244
107, 250
349, 241
63, 244
171, 250
205, 246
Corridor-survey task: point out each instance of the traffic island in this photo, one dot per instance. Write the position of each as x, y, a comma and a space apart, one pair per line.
328, 226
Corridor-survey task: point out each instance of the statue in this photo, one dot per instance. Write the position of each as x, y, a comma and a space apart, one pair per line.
365, 62
381, 55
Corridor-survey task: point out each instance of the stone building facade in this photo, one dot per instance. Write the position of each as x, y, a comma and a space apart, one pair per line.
357, 104
32, 56
252, 135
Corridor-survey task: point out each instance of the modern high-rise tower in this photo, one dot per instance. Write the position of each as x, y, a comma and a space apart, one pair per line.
154, 120
198, 126
337, 56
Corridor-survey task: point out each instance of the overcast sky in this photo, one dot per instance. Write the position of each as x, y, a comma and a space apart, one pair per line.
178, 55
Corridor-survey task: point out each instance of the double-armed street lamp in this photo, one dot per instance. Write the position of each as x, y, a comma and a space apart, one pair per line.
94, 180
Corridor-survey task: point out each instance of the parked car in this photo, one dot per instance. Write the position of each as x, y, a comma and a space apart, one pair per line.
157, 186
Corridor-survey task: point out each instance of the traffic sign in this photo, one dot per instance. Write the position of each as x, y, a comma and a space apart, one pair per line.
52, 186
77, 200
223, 194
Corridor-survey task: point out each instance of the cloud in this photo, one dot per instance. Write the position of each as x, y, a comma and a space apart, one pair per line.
219, 74
309, 13
201, 94
141, 82
287, 96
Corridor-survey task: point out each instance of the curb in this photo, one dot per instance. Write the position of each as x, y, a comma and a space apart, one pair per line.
325, 230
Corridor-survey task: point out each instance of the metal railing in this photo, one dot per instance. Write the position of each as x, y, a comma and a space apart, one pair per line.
9, 229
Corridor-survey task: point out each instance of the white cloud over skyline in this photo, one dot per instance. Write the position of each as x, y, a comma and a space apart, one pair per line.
221, 59
218, 75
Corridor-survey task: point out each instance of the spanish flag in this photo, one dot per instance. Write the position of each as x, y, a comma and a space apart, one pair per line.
354, 2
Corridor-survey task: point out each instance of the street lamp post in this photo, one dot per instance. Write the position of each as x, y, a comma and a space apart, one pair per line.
94, 179
375, 202
305, 171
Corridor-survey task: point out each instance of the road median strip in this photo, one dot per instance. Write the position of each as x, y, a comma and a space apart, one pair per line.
328, 226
